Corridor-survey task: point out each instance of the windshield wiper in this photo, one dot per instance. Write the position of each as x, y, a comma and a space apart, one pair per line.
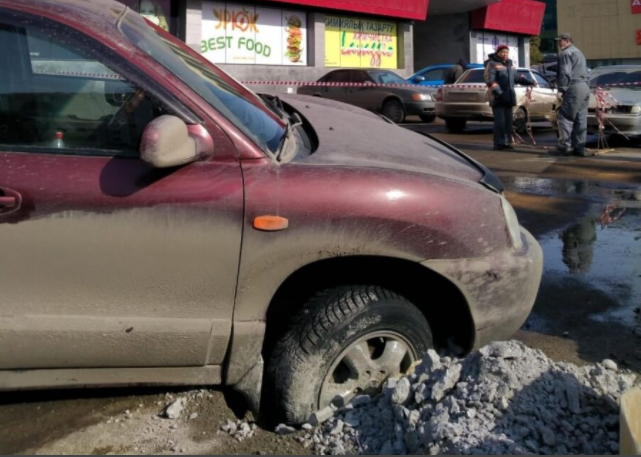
274, 103
288, 131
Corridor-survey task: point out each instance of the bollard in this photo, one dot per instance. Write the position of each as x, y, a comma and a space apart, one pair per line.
631, 423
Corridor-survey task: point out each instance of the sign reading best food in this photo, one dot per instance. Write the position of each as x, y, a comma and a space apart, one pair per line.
360, 43
234, 33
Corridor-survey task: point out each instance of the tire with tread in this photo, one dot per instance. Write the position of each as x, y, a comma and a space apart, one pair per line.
323, 328
393, 110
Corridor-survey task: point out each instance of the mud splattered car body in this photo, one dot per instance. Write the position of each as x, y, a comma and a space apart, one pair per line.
122, 268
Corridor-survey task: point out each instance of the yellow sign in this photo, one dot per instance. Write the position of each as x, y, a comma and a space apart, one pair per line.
360, 43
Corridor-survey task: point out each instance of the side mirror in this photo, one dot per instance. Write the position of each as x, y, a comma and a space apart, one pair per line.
419, 79
168, 142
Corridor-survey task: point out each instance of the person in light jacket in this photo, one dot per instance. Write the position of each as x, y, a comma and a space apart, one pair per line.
574, 94
500, 77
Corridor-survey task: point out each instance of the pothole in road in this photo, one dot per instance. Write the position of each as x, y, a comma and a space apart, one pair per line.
600, 251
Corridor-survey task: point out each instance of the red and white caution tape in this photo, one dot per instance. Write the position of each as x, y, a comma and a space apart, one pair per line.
80, 74
94, 75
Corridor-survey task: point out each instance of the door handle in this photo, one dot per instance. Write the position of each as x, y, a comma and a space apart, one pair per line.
10, 200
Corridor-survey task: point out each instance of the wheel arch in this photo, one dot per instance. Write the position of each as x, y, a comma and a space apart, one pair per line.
392, 97
452, 323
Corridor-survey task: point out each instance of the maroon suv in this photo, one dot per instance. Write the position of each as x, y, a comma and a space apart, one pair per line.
162, 224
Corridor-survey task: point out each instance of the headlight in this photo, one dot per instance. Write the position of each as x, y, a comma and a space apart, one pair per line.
512, 224
421, 97
636, 109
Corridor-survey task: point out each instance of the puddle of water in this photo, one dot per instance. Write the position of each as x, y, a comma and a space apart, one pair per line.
593, 190
602, 250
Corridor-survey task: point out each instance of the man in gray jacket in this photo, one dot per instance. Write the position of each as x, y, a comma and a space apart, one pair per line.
573, 86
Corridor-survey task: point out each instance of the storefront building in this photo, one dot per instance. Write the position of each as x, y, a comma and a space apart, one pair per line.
301, 40
448, 35
292, 40
608, 32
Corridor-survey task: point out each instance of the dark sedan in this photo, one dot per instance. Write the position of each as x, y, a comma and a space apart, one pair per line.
384, 92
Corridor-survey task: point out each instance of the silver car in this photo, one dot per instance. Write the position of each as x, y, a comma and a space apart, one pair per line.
380, 91
623, 102
467, 101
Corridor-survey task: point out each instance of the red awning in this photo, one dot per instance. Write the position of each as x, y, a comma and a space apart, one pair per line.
512, 16
403, 9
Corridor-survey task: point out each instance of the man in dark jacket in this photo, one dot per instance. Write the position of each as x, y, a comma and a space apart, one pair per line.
574, 89
500, 77
452, 74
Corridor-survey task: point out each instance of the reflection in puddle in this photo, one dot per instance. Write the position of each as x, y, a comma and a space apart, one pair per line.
604, 251
594, 190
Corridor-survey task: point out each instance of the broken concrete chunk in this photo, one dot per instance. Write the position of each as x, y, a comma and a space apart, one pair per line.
401, 391
283, 429
175, 409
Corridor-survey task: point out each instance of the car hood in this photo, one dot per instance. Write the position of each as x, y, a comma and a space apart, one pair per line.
350, 136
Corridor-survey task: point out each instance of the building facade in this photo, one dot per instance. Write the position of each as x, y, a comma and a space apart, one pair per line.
301, 40
608, 31
474, 34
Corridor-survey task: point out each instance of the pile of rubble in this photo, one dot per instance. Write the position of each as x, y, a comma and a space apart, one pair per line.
504, 399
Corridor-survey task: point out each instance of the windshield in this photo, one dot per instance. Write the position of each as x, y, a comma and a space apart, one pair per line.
605, 76
472, 76
239, 105
386, 77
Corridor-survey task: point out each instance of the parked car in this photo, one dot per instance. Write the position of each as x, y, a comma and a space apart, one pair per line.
395, 103
161, 223
460, 103
549, 70
434, 75
625, 114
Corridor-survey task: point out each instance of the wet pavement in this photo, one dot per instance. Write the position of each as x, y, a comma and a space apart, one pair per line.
586, 213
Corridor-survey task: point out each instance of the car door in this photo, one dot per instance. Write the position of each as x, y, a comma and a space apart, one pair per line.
366, 95
544, 95
338, 92
434, 77
105, 261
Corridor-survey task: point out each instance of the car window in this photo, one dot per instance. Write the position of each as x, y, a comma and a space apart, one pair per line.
58, 96
242, 107
541, 81
341, 76
360, 77
386, 77
434, 75
633, 77
605, 78
472, 76
525, 74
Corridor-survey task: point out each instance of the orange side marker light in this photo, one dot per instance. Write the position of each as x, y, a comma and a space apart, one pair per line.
270, 223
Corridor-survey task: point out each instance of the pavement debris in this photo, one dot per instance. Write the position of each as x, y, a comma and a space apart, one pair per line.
174, 409
504, 399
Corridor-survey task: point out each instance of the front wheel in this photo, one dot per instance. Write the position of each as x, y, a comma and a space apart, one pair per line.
394, 111
345, 342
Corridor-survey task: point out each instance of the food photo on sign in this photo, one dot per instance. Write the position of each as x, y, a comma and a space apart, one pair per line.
294, 38
252, 35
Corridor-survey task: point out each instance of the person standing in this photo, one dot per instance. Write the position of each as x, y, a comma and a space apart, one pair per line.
500, 77
453, 73
574, 97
